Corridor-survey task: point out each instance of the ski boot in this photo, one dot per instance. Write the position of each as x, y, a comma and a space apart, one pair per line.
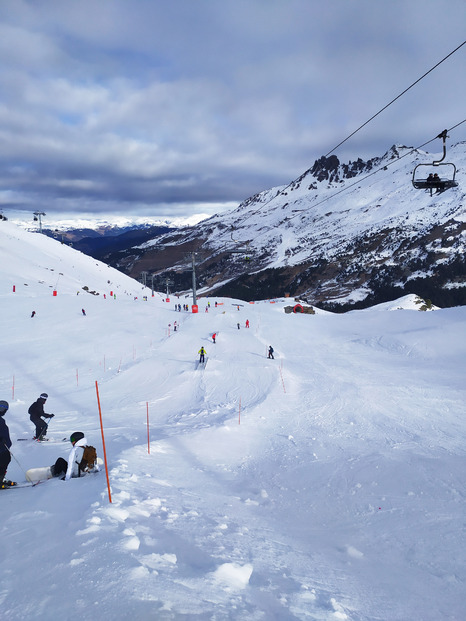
6, 484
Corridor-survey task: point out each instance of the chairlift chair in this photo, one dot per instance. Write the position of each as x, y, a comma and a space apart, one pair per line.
439, 183
241, 249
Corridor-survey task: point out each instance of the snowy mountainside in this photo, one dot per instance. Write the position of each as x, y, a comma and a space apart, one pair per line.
342, 233
325, 484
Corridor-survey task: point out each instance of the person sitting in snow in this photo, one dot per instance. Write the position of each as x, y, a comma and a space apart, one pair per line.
78, 460
36, 415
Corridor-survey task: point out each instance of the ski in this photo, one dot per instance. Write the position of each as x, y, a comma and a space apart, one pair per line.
52, 440
21, 485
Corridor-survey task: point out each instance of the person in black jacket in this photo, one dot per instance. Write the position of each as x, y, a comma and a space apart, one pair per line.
5, 444
36, 414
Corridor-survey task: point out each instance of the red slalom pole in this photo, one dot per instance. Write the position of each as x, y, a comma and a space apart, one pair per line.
103, 441
148, 433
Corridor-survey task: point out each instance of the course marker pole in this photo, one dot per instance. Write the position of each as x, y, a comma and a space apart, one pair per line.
148, 434
103, 441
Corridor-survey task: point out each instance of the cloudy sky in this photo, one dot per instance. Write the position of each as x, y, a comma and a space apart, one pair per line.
169, 108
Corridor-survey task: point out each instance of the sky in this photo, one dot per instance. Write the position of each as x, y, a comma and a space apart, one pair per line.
326, 484
171, 109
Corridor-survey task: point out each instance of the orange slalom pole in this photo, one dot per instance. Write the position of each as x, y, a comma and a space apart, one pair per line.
103, 442
148, 434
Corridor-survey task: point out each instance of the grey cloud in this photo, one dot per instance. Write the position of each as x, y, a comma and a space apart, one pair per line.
198, 103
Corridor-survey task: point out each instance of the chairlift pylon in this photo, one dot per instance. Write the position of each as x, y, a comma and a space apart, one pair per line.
433, 181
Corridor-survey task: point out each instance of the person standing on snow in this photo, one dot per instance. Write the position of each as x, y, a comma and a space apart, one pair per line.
202, 352
5, 444
247, 323
270, 354
73, 468
36, 415
214, 336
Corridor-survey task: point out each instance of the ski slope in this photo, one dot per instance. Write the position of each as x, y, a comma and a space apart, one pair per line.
326, 484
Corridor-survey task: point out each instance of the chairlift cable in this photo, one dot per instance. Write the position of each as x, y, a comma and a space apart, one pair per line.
395, 99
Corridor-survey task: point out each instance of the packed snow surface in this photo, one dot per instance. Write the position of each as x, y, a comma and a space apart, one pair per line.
325, 484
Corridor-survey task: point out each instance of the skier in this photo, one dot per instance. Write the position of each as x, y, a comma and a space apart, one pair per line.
33, 313
247, 323
83, 311
36, 412
74, 466
270, 354
214, 336
238, 325
5, 444
202, 352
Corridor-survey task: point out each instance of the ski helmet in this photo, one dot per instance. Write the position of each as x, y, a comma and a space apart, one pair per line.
44, 395
77, 435
3, 407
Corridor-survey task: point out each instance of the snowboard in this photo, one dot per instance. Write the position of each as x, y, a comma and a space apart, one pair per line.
34, 475
39, 474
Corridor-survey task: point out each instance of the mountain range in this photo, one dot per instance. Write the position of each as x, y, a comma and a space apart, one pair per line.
342, 235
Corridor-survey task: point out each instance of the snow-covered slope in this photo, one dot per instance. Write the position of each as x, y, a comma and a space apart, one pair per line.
37, 265
324, 484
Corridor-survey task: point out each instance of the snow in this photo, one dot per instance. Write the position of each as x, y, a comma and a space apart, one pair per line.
326, 484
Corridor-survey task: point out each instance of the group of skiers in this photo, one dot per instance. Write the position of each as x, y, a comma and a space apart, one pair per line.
82, 458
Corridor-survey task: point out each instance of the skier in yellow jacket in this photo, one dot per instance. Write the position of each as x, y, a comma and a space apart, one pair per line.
202, 352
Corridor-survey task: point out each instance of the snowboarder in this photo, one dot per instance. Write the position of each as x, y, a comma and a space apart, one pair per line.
202, 352
270, 354
5, 444
36, 412
214, 336
74, 466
